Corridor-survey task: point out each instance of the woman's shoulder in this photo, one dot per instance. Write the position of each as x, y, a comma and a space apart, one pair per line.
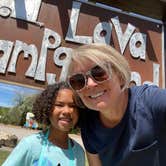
151, 97
143, 90
143, 87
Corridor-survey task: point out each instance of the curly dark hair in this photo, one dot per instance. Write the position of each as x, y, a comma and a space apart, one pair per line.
43, 105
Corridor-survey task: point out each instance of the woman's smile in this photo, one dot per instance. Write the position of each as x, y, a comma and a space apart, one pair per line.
96, 95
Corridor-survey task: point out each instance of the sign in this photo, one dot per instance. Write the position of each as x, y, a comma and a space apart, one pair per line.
36, 44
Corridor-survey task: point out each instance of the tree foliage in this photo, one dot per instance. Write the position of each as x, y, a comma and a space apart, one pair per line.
17, 114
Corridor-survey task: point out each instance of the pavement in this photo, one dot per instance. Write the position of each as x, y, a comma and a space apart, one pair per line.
21, 132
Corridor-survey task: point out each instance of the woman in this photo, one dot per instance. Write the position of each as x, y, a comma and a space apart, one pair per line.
122, 126
56, 109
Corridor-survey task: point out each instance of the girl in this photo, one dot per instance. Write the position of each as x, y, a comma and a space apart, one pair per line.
56, 109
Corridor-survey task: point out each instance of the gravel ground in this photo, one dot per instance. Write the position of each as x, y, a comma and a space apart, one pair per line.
21, 132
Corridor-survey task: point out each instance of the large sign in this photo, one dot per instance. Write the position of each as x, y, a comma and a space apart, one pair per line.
36, 39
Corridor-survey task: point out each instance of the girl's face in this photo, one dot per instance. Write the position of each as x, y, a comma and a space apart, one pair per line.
64, 115
101, 96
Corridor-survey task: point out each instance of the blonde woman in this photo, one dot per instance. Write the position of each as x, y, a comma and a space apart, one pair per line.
122, 126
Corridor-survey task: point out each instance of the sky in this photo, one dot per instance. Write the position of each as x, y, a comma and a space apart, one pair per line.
8, 92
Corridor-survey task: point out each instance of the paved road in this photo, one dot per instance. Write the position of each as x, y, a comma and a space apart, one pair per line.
21, 132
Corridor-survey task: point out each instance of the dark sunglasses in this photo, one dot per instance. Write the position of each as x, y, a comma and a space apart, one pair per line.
78, 81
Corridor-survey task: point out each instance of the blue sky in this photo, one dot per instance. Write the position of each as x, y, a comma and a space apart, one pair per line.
8, 92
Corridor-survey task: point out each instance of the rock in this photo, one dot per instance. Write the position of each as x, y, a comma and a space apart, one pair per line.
9, 140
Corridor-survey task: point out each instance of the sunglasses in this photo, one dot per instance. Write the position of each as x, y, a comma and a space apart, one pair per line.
78, 81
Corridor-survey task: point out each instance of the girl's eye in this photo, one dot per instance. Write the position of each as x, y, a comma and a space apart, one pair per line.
58, 105
72, 105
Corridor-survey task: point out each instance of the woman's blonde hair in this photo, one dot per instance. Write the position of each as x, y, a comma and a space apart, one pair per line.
102, 54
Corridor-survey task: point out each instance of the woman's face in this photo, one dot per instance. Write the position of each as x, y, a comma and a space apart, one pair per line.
64, 115
99, 96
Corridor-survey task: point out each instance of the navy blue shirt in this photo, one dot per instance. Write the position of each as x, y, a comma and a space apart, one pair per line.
139, 139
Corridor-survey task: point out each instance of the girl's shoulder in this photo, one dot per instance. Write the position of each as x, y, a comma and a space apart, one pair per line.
77, 146
33, 138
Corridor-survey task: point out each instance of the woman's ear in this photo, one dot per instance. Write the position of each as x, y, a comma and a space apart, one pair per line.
122, 83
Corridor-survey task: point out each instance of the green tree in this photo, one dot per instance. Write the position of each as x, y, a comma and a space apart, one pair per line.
25, 107
17, 114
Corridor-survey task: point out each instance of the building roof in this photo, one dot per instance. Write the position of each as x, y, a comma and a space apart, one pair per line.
151, 8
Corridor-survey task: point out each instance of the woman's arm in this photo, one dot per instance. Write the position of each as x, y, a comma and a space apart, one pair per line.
93, 159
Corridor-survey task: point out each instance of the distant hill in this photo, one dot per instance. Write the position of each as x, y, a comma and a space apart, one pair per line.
4, 108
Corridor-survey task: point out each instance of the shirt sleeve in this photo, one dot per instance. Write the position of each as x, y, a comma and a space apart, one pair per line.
155, 99
19, 156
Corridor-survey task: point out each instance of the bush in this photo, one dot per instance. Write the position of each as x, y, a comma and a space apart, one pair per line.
3, 114
13, 116
75, 131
